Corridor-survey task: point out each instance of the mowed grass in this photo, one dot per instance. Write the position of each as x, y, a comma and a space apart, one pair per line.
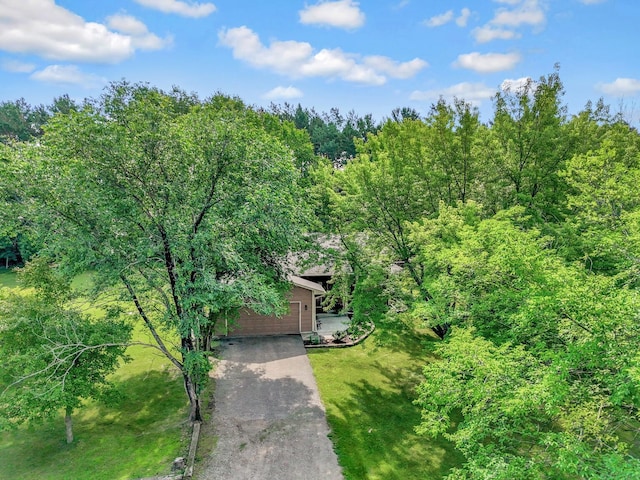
7, 278
368, 392
138, 435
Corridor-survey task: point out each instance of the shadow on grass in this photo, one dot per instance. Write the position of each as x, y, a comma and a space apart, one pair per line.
369, 392
136, 436
399, 336
143, 400
374, 428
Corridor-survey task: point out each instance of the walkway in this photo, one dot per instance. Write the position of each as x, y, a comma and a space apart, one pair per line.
329, 323
268, 416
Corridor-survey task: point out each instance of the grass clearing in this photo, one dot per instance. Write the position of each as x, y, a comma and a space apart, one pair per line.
137, 435
7, 278
368, 391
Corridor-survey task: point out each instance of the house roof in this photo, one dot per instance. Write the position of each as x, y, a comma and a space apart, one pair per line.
307, 284
319, 261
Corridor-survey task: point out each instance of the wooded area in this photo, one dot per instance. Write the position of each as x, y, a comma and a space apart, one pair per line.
516, 241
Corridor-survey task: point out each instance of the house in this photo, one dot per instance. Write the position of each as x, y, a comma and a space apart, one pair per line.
301, 317
311, 282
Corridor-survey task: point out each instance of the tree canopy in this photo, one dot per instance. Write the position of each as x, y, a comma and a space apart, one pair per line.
187, 207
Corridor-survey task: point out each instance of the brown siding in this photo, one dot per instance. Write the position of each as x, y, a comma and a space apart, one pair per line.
296, 320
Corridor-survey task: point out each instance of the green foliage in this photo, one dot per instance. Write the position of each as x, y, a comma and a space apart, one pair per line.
137, 434
53, 356
605, 200
190, 207
522, 416
16, 239
371, 295
527, 147
19, 121
332, 134
540, 359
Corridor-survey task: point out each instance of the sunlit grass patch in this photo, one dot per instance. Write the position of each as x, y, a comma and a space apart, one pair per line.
368, 392
137, 434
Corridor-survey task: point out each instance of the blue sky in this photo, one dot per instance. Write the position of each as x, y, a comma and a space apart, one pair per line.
369, 56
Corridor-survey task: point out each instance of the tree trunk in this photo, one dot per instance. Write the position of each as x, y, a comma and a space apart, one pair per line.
194, 400
68, 424
441, 330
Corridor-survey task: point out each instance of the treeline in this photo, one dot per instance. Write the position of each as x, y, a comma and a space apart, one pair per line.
519, 247
330, 136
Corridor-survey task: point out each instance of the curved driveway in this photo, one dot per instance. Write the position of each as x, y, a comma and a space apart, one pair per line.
268, 416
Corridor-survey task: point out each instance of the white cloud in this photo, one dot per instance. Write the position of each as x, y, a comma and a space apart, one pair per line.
283, 93
518, 85
621, 87
298, 59
462, 20
336, 63
16, 66
395, 69
439, 20
342, 14
140, 35
67, 75
127, 24
529, 12
487, 33
488, 62
43, 28
474, 93
448, 16
186, 9
282, 57
506, 19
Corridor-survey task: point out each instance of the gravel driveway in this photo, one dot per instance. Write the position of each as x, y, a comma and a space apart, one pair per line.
268, 416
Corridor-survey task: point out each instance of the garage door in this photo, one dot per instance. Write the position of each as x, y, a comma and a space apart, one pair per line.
250, 323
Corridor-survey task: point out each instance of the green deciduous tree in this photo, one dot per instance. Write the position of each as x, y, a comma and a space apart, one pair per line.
537, 376
604, 201
453, 145
53, 356
514, 414
189, 207
527, 148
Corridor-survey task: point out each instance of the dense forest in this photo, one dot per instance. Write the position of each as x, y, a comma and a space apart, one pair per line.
515, 241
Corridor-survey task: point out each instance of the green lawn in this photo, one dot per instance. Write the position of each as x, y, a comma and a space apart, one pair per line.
368, 392
7, 278
138, 436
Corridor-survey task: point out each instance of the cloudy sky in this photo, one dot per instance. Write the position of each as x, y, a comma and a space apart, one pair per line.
370, 56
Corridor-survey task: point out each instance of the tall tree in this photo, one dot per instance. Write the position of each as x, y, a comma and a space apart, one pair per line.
527, 147
452, 142
190, 208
